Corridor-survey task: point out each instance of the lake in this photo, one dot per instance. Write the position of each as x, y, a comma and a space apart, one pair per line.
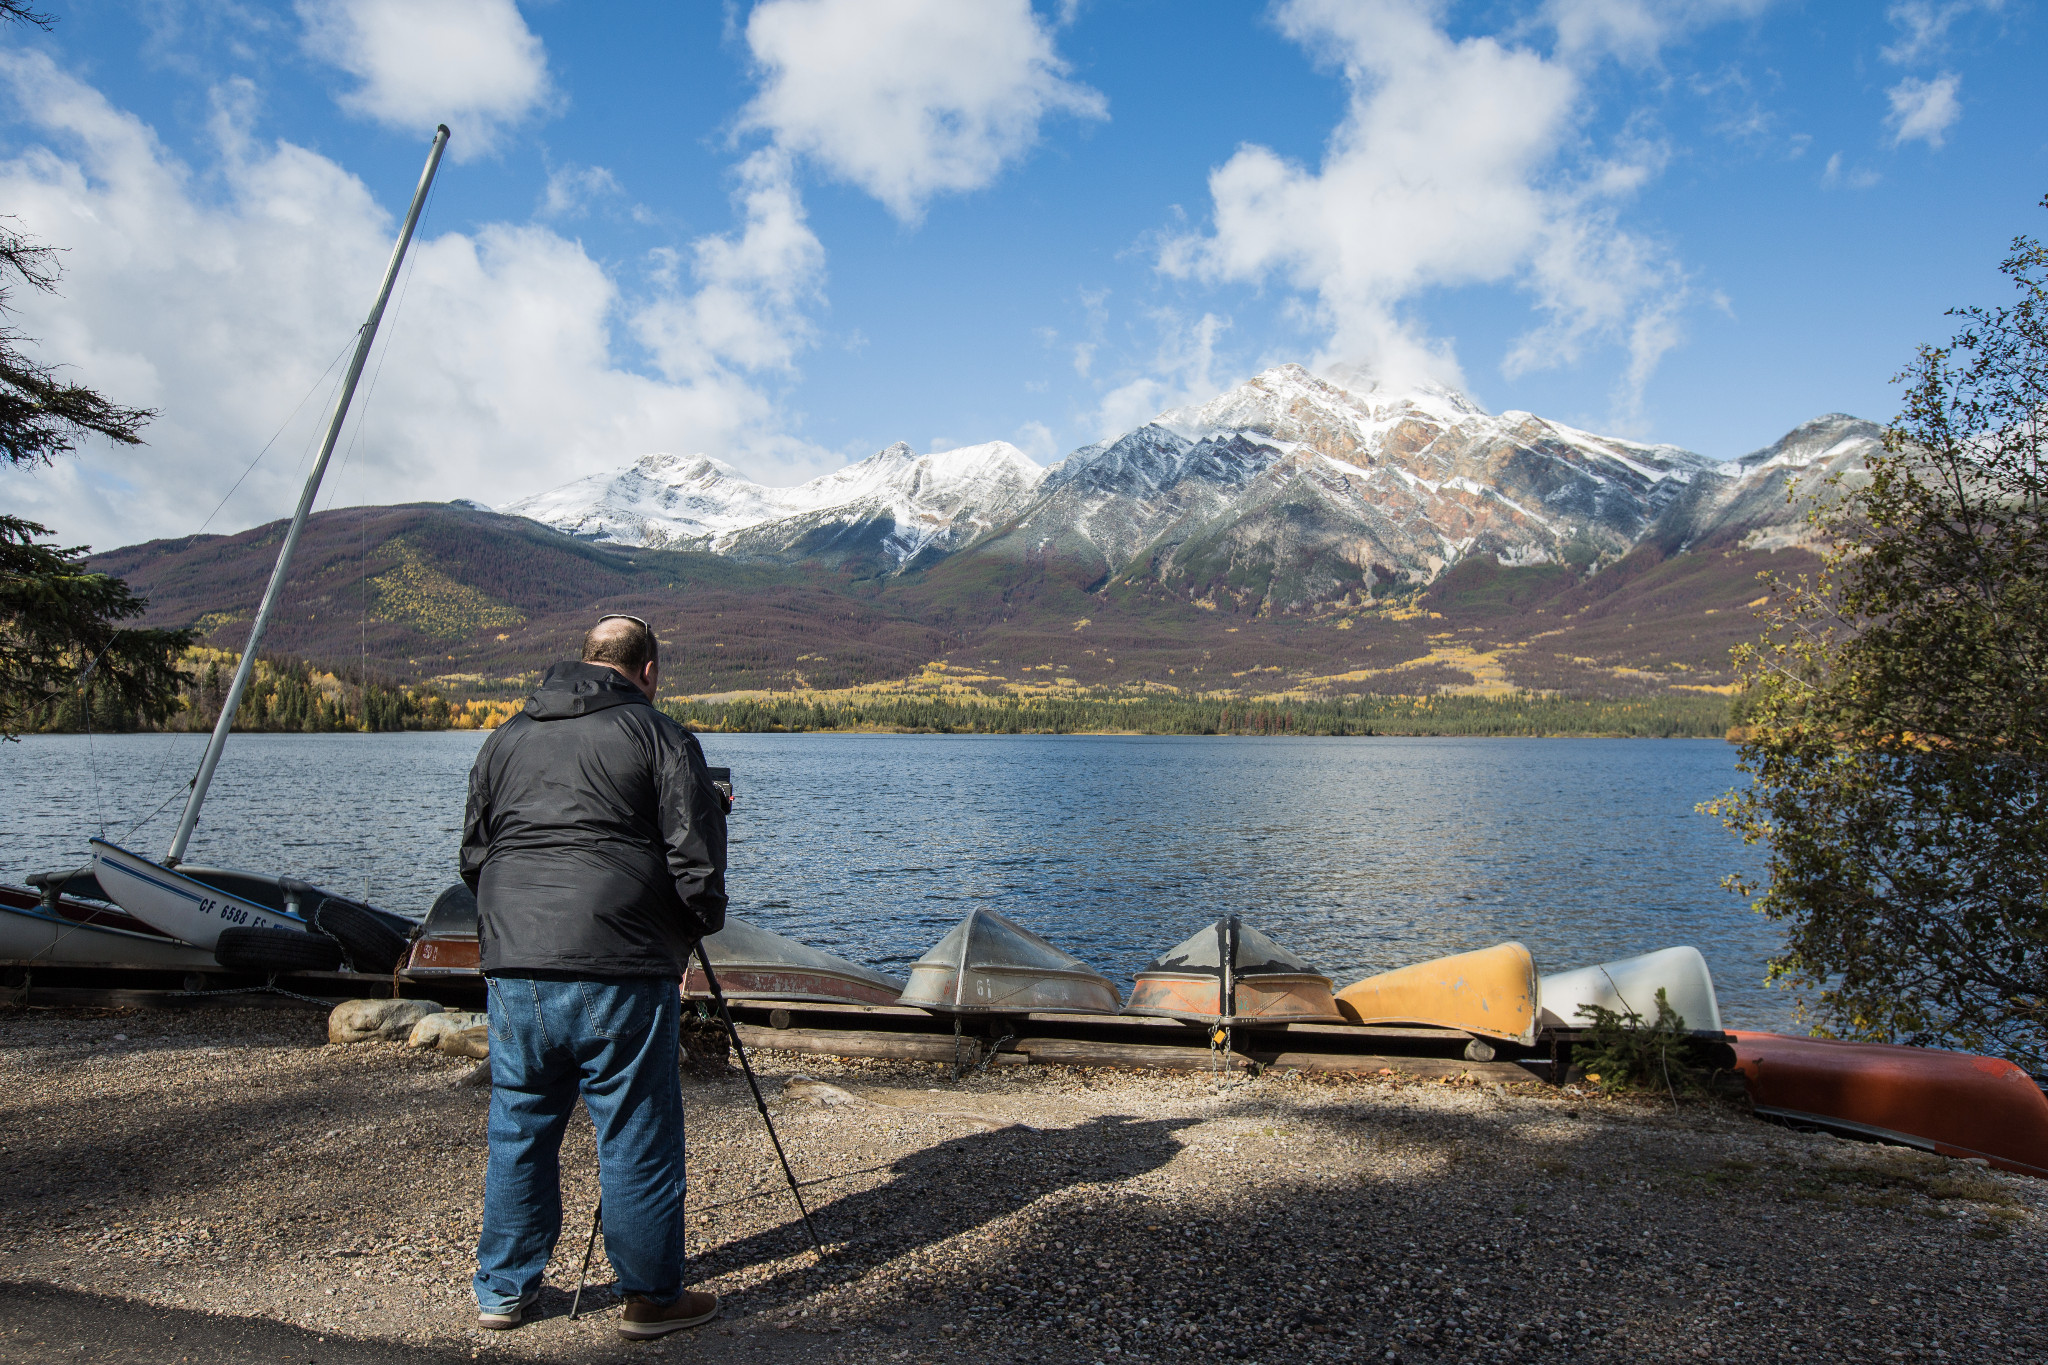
1360, 854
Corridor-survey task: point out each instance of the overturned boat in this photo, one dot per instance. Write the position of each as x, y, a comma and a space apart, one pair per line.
1630, 986
1953, 1103
48, 931
1230, 974
989, 965
446, 945
759, 964
1492, 991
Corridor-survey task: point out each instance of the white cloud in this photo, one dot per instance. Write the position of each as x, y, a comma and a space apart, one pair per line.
1924, 111
749, 306
1924, 25
571, 189
1635, 30
1181, 374
1036, 439
908, 98
1457, 162
218, 294
1838, 177
472, 64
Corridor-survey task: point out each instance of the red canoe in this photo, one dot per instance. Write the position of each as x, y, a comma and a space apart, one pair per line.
1953, 1103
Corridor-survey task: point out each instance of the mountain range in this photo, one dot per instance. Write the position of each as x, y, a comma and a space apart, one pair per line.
1299, 532
1288, 493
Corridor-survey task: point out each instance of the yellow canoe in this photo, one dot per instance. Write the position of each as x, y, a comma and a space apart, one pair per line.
1490, 991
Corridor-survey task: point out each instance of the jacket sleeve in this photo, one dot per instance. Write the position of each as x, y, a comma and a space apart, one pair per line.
476, 817
693, 834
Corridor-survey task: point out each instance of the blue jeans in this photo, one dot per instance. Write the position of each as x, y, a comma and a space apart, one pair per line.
614, 1041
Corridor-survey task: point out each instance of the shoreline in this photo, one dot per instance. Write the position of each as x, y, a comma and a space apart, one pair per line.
877, 730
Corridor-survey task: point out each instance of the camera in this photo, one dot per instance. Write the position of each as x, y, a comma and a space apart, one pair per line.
721, 778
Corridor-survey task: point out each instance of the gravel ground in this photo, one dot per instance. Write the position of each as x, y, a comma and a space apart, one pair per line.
225, 1187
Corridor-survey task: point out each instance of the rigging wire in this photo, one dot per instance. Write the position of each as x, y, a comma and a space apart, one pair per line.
171, 750
174, 748
314, 388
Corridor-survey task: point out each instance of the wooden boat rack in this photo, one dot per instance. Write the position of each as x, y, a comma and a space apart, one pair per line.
881, 1031
1123, 1040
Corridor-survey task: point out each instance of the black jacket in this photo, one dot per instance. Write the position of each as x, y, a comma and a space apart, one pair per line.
594, 839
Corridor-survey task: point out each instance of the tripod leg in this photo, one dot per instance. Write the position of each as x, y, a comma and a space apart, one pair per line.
590, 1247
732, 1030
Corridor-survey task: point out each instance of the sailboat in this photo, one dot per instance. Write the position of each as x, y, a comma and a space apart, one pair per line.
198, 904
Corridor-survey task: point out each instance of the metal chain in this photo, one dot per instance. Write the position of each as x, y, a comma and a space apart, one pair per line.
270, 986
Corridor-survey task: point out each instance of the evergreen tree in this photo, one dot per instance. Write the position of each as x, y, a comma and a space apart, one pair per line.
58, 622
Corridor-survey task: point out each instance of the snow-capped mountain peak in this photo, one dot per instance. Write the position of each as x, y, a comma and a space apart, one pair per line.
910, 501
1287, 490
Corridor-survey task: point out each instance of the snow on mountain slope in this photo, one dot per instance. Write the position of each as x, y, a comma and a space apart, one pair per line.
655, 500
1350, 484
1751, 498
1291, 489
896, 501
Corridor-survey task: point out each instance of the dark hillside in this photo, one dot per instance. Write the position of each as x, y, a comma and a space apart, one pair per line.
477, 602
430, 590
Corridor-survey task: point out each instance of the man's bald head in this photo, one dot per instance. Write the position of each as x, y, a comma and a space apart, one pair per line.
624, 643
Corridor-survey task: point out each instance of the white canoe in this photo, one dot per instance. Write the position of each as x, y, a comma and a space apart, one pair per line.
34, 938
183, 907
1631, 985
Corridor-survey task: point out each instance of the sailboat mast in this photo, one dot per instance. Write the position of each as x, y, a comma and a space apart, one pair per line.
367, 335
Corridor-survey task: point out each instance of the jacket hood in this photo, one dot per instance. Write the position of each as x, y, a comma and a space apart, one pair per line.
579, 689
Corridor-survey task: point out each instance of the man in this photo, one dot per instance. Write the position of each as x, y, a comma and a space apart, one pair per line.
595, 843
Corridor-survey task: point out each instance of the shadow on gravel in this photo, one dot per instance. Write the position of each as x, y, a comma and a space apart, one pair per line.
41, 1322
957, 1186
97, 1148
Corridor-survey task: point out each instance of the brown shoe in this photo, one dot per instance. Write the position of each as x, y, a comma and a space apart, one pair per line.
505, 1319
644, 1318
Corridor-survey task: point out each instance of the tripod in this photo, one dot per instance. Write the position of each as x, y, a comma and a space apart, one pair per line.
795, 1191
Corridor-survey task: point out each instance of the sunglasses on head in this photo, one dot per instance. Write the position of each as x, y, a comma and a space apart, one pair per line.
625, 616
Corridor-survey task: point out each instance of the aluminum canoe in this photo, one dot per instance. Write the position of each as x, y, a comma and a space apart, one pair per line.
1492, 991
34, 937
759, 964
1267, 984
1631, 985
1954, 1103
192, 903
446, 945
988, 965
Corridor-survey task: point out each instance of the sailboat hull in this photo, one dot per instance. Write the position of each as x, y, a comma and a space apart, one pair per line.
180, 906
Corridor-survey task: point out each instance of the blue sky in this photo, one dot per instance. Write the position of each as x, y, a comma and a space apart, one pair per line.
791, 232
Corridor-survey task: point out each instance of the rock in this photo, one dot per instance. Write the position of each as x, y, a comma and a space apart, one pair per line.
801, 1087
469, 1042
427, 1032
363, 1021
